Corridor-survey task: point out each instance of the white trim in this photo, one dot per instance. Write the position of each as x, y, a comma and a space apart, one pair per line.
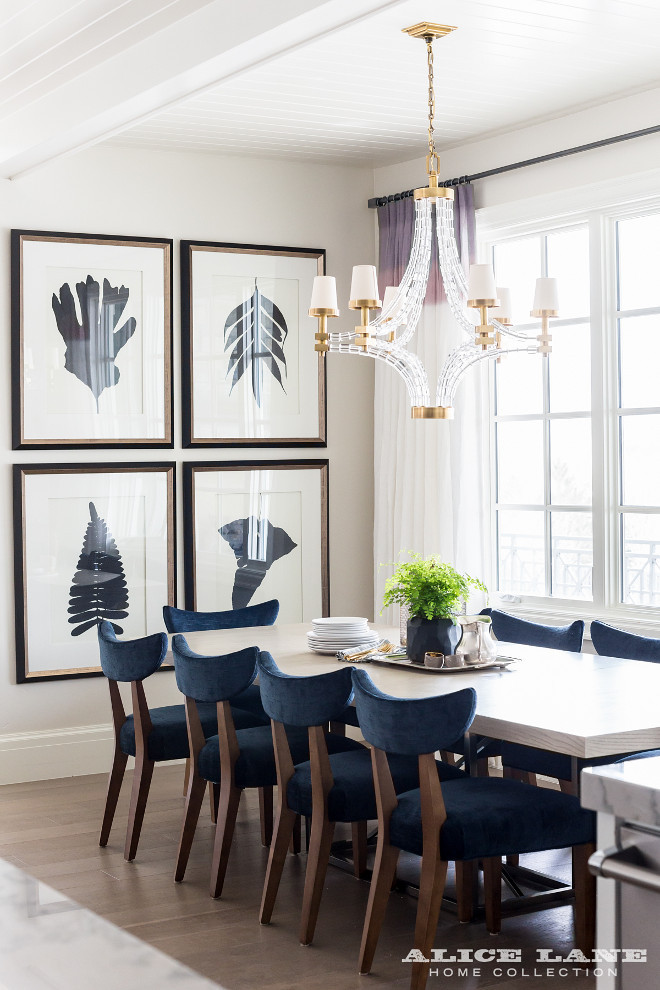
55, 753
560, 208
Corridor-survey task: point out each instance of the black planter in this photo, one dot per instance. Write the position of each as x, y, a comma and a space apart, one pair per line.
431, 636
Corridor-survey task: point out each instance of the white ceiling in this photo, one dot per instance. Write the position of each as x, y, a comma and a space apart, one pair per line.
325, 80
359, 95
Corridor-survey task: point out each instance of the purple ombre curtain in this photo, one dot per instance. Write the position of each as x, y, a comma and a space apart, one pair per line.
396, 222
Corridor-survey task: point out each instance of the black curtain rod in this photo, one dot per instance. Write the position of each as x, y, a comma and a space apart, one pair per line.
383, 200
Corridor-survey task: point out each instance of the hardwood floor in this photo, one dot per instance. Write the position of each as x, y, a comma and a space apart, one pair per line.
51, 829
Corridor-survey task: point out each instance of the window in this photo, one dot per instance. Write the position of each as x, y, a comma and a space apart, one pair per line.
576, 479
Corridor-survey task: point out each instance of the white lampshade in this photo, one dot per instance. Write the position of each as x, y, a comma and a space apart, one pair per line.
503, 311
364, 284
481, 282
546, 296
389, 296
324, 292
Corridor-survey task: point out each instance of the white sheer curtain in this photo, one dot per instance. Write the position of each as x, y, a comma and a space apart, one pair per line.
430, 476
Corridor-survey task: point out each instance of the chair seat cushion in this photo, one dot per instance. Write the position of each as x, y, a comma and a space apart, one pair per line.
168, 739
352, 797
255, 767
555, 764
488, 816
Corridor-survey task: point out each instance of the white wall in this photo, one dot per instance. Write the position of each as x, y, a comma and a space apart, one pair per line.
60, 727
620, 161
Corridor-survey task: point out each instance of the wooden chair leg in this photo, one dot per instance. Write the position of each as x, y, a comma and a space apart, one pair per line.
482, 767
266, 814
493, 893
567, 787
194, 799
142, 775
584, 885
448, 757
431, 889
513, 859
186, 777
338, 728
465, 890
285, 827
384, 873
317, 865
296, 836
230, 797
214, 799
114, 787
359, 833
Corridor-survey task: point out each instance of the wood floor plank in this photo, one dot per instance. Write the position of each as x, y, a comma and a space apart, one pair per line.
51, 829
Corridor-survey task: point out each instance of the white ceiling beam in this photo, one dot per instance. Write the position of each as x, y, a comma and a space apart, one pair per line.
217, 42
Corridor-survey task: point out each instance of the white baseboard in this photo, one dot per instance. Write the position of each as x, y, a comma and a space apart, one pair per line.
26, 756
55, 753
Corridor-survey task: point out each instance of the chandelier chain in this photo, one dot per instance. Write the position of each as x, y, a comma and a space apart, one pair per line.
429, 55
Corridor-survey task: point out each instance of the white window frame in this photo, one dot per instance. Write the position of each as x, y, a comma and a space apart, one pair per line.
600, 208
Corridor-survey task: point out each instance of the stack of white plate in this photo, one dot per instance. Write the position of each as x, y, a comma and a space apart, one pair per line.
345, 632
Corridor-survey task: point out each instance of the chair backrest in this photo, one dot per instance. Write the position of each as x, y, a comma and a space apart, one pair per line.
132, 659
218, 678
411, 726
514, 630
611, 642
303, 701
179, 620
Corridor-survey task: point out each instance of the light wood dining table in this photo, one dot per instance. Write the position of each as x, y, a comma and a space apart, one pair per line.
579, 704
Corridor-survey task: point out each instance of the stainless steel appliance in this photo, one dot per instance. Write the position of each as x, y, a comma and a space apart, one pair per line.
634, 863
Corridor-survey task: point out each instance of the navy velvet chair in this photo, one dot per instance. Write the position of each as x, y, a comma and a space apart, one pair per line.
180, 620
233, 758
475, 818
514, 630
150, 735
329, 787
526, 761
612, 642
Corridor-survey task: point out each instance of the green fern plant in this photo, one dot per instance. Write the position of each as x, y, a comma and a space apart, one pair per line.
431, 588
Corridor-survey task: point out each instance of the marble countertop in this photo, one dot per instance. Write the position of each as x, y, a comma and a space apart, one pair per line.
628, 790
48, 942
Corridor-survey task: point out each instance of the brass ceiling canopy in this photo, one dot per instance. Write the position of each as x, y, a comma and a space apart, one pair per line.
427, 30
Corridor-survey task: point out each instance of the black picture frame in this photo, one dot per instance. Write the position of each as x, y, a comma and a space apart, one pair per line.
42, 373
41, 593
315, 379
314, 521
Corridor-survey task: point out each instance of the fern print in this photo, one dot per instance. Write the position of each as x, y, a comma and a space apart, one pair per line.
99, 587
93, 345
256, 331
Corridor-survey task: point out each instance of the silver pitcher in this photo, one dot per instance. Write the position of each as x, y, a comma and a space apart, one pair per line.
478, 643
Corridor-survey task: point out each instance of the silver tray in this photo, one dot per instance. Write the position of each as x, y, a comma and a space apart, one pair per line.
499, 662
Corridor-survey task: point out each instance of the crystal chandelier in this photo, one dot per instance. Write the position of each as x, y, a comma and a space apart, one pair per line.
385, 337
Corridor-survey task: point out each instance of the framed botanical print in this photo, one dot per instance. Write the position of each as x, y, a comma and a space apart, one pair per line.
92, 542
257, 530
91, 341
251, 376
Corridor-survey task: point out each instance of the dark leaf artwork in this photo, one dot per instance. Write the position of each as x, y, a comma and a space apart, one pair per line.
93, 345
99, 587
257, 544
256, 331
